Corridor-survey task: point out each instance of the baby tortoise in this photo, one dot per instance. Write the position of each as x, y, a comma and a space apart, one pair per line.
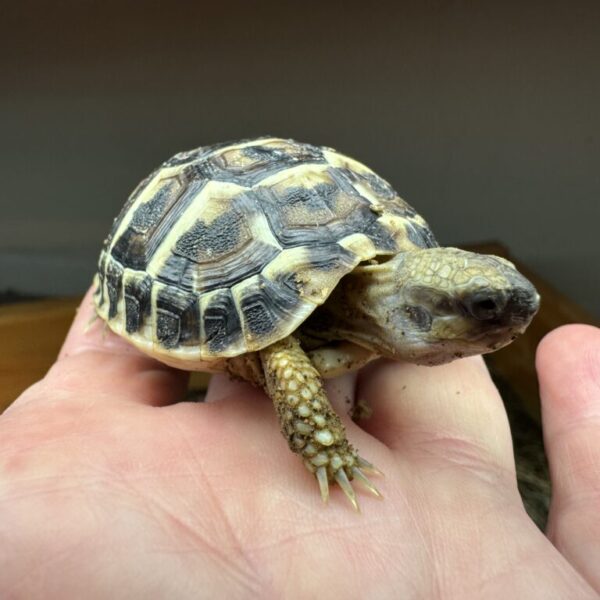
284, 263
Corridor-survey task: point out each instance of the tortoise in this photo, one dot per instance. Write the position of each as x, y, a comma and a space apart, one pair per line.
283, 263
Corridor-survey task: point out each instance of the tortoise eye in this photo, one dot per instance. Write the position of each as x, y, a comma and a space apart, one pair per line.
419, 316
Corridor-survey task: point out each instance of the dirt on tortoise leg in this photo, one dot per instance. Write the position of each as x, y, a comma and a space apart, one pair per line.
361, 410
308, 421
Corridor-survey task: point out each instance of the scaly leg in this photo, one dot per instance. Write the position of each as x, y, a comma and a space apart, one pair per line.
308, 421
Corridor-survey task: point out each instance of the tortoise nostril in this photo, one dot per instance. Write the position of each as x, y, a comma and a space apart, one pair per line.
523, 303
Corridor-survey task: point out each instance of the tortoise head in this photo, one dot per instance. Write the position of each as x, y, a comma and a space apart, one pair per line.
434, 305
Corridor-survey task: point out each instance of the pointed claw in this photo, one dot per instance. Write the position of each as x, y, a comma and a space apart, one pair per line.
323, 483
367, 466
360, 476
346, 486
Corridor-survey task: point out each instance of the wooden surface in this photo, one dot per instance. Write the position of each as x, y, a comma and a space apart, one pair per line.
31, 334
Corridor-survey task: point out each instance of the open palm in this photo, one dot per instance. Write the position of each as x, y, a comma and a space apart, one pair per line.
109, 488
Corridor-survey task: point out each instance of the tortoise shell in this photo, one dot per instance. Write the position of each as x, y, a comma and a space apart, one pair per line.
226, 249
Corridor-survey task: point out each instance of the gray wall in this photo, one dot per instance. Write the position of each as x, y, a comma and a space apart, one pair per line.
484, 115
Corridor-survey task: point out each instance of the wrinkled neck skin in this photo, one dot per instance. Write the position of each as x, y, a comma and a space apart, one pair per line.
429, 306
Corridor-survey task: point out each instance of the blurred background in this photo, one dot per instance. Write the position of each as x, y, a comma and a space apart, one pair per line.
483, 115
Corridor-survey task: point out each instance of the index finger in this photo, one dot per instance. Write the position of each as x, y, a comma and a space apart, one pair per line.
453, 409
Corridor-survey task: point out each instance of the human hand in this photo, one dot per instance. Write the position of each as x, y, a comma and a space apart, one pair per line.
111, 489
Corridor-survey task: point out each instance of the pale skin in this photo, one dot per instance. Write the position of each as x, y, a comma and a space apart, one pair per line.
109, 488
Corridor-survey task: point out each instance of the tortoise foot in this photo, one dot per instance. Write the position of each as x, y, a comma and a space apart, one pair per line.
342, 475
309, 423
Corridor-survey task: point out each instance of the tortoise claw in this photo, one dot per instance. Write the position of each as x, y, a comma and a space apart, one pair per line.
323, 483
365, 465
360, 476
341, 477
344, 483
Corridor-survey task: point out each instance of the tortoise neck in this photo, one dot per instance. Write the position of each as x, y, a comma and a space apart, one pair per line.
356, 309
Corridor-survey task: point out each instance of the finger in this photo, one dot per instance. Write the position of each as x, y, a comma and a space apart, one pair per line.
451, 410
568, 363
94, 359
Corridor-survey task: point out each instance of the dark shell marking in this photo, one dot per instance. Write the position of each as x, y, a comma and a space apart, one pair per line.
137, 301
226, 249
222, 327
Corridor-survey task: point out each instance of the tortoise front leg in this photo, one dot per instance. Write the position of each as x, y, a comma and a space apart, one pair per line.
308, 421
332, 361
340, 358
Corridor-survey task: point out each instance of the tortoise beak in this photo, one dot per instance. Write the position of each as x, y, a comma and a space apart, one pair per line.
523, 303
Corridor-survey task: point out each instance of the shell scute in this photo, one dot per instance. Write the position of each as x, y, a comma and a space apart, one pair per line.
210, 241
177, 317
249, 162
114, 286
222, 239
264, 306
137, 294
133, 247
221, 323
420, 235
